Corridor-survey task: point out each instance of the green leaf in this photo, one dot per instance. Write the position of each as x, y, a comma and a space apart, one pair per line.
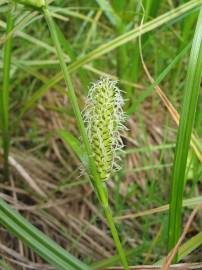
110, 13
74, 144
4, 93
38, 241
190, 245
192, 90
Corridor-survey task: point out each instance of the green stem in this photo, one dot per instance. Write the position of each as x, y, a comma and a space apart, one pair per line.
98, 185
115, 235
4, 95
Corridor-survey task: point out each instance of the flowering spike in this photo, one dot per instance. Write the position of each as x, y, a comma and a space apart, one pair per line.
103, 116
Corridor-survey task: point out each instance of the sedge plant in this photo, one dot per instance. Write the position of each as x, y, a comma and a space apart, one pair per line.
99, 139
97, 174
99, 127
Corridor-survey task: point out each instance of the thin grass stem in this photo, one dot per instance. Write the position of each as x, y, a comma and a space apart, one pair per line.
4, 94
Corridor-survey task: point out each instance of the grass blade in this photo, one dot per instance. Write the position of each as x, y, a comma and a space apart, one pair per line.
4, 94
190, 203
184, 135
73, 143
190, 245
39, 242
110, 13
185, 249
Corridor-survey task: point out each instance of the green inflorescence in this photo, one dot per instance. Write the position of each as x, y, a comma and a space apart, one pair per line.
32, 3
104, 116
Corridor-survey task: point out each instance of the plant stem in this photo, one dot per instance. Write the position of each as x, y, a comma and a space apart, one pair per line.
98, 185
4, 95
115, 235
